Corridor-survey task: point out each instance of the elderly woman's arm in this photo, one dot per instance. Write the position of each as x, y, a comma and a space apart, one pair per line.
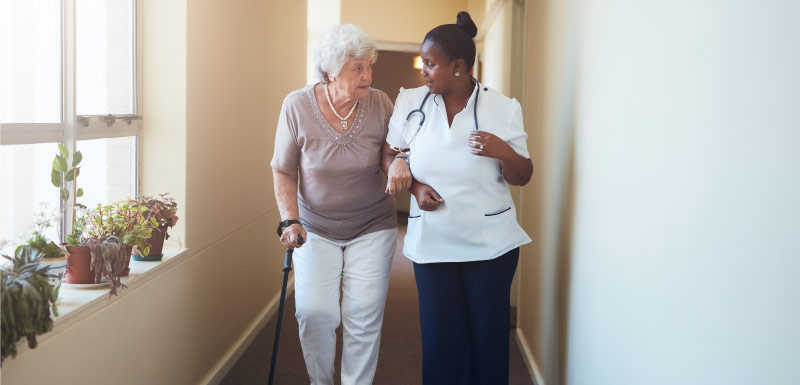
397, 171
286, 195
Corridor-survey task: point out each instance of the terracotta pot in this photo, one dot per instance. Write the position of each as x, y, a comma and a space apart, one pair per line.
156, 243
79, 265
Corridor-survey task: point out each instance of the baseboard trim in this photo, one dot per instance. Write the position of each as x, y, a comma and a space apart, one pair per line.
218, 373
530, 361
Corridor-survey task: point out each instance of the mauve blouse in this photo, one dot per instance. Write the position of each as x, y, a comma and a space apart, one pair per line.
341, 182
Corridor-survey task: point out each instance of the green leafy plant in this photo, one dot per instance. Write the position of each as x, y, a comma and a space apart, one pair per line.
126, 220
108, 260
65, 178
163, 209
27, 300
78, 226
46, 247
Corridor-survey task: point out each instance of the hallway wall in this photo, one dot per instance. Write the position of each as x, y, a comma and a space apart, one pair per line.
550, 46
666, 215
687, 219
400, 22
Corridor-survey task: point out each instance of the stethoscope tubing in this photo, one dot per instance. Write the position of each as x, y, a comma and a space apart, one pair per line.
422, 113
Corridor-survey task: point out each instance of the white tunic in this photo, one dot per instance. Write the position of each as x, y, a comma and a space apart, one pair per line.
477, 220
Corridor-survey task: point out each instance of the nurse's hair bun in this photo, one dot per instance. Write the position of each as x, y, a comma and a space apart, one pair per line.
463, 20
456, 40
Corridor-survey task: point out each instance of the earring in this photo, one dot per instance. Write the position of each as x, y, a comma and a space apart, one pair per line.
458, 73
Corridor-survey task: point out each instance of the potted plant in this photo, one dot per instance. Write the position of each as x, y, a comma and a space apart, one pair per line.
125, 220
164, 210
53, 256
65, 178
27, 300
108, 256
109, 260
79, 255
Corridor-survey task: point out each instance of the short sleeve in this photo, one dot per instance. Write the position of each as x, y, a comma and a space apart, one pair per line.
395, 136
286, 157
517, 136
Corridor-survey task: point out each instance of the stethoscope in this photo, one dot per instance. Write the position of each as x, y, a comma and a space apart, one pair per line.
422, 113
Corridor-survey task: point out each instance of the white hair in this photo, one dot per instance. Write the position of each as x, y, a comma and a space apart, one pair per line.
339, 44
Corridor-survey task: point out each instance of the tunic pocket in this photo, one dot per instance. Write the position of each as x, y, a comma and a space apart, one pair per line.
497, 213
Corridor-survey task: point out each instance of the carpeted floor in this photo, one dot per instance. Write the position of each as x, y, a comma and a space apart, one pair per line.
400, 361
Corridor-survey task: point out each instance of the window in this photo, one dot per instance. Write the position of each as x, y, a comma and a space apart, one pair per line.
70, 75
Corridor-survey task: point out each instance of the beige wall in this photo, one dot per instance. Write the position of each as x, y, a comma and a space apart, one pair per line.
663, 222
547, 200
217, 76
163, 139
400, 22
685, 244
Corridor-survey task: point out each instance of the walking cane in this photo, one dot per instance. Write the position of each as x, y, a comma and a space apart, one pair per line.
287, 267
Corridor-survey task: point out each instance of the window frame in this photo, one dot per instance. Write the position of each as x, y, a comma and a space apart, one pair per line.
75, 127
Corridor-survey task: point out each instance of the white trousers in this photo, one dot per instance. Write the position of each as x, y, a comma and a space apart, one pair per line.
361, 266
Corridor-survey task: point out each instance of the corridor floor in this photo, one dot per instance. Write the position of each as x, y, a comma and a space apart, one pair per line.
400, 357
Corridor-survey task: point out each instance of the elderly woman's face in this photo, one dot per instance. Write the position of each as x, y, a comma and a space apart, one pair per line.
355, 77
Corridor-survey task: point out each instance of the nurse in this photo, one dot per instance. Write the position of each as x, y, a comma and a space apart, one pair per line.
454, 144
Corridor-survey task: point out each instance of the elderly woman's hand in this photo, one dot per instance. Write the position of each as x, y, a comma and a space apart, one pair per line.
427, 198
290, 234
399, 177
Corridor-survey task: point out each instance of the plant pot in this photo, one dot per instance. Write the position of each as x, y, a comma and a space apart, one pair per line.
148, 258
56, 266
79, 263
156, 243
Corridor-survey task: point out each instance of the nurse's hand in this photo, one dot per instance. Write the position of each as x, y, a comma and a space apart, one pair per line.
289, 236
489, 145
399, 177
427, 198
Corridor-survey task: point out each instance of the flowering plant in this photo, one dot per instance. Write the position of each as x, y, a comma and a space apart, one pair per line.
43, 220
163, 209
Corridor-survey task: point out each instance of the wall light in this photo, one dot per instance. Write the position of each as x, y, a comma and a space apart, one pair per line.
418, 62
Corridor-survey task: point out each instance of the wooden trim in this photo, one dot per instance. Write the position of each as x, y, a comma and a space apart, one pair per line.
530, 361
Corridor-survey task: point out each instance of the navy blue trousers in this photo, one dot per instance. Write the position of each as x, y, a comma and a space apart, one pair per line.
465, 320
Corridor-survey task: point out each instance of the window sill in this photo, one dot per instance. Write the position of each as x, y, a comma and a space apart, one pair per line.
76, 304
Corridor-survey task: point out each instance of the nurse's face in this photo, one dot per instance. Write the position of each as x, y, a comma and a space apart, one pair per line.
437, 69
355, 77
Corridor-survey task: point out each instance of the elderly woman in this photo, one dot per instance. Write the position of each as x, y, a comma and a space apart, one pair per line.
464, 142
329, 188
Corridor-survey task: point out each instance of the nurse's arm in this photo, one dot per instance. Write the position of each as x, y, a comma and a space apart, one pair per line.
517, 169
285, 185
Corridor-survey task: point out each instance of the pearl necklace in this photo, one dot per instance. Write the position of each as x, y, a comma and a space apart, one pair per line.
343, 120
